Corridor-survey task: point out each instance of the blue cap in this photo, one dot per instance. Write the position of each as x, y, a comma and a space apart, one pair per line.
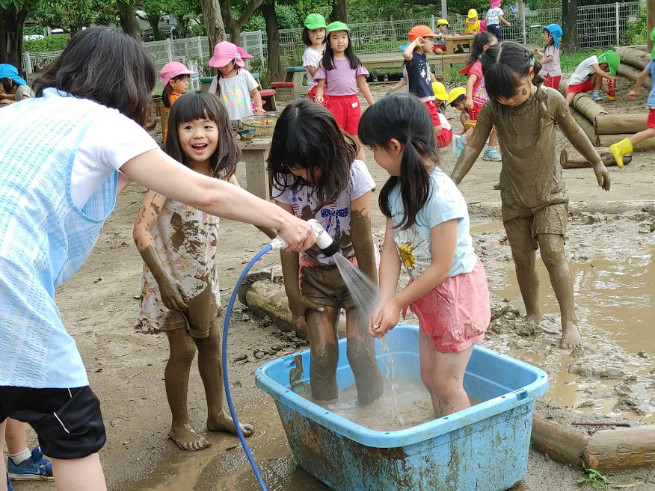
403, 46
556, 31
10, 71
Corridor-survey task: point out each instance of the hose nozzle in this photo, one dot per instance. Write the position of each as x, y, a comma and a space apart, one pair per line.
323, 240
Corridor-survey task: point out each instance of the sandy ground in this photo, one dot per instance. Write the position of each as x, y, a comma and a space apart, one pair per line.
99, 306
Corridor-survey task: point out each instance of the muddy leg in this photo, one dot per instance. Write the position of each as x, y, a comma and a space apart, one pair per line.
211, 373
523, 252
176, 376
554, 257
361, 357
321, 330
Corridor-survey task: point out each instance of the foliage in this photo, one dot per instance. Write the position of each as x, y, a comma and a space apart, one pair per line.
69, 15
597, 479
48, 43
637, 29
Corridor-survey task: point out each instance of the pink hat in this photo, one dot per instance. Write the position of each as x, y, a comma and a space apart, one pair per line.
224, 53
495, 4
173, 69
243, 53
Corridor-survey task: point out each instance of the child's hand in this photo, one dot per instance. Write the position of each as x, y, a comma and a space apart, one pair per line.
171, 293
602, 176
257, 110
469, 103
384, 318
319, 99
633, 93
299, 304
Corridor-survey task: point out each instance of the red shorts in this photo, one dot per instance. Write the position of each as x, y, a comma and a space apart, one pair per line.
553, 82
444, 137
456, 314
434, 114
346, 110
585, 86
473, 113
312, 96
651, 118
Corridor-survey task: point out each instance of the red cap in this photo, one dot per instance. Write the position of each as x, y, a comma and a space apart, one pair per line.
420, 31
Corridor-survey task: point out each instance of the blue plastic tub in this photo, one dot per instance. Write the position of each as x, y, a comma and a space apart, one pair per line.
484, 447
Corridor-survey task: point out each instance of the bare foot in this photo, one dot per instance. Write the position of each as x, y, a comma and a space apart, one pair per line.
187, 439
570, 337
224, 423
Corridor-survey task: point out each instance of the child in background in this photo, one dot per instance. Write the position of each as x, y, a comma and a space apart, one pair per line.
313, 35
13, 88
316, 175
444, 131
472, 24
457, 99
533, 194
24, 464
176, 82
476, 95
234, 85
440, 40
550, 66
427, 232
493, 19
180, 293
589, 75
626, 145
343, 75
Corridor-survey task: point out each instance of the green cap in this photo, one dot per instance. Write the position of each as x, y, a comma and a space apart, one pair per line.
315, 21
337, 26
613, 61
652, 38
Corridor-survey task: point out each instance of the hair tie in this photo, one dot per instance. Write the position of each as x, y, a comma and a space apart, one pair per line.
237, 57
532, 61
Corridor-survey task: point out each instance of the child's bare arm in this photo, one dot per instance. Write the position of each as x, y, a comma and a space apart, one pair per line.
389, 275
601, 72
311, 69
640, 80
257, 99
505, 21
365, 90
320, 89
270, 233
470, 82
400, 84
475, 144
362, 236
169, 288
408, 52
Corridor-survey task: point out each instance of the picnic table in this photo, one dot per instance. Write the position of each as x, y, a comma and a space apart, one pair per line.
463, 40
254, 154
395, 59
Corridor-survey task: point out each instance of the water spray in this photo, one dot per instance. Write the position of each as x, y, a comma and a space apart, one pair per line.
328, 247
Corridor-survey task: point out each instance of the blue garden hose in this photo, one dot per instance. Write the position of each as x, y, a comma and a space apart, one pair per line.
226, 325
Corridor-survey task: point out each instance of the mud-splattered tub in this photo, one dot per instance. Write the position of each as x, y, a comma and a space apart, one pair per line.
484, 447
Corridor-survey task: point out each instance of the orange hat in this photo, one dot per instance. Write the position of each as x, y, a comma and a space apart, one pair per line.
420, 31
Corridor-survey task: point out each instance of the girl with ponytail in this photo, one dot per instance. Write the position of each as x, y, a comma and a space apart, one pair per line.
427, 232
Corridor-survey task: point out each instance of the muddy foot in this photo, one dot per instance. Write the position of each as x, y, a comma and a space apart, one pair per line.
187, 439
570, 337
224, 423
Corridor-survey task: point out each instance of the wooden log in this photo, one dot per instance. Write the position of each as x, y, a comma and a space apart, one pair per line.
267, 298
634, 57
586, 125
621, 448
607, 207
607, 140
631, 73
617, 124
570, 159
561, 444
583, 103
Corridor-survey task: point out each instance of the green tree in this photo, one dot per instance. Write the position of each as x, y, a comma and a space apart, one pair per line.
13, 14
69, 15
236, 24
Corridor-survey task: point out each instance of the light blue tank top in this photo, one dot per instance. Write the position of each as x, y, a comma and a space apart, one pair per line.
44, 238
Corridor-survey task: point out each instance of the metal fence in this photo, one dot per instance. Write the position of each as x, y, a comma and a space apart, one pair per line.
599, 26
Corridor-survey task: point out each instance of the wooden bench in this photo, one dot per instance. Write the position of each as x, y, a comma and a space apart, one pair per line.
447, 61
296, 74
268, 97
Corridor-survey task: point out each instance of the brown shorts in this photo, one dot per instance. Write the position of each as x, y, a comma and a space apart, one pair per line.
325, 286
551, 219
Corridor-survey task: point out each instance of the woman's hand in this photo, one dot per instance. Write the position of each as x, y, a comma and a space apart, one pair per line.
384, 318
298, 233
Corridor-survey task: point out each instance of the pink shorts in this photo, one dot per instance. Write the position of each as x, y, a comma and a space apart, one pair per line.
456, 314
346, 110
585, 86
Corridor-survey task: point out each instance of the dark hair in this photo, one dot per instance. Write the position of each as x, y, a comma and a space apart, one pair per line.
504, 65
460, 98
307, 135
201, 105
480, 40
107, 67
327, 56
552, 38
167, 90
405, 118
8, 84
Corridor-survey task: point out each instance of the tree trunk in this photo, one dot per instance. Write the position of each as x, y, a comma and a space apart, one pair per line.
339, 11
211, 14
570, 18
275, 69
153, 20
570, 159
12, 22
235, 25
128, 20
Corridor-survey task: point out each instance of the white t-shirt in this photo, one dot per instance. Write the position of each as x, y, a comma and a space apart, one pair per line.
584, 70
96, 159
493, 16
553, 67
235, 93
334, 217
311, 57
443, 121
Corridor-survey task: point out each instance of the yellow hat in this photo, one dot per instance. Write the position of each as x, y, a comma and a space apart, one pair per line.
440, 91
455, 93
472, 13
442, 22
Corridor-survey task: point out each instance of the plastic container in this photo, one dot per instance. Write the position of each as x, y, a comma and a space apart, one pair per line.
611, 89
484, 447
264, 124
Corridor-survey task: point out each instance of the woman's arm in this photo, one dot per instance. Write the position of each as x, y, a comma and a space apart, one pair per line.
365, 90
269, 232
159, 172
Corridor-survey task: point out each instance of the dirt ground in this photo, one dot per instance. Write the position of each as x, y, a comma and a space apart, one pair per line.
99, 307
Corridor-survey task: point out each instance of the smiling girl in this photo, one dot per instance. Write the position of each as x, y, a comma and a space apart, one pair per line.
178, 243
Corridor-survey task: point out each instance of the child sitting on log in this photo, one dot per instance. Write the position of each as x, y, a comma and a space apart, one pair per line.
589, 75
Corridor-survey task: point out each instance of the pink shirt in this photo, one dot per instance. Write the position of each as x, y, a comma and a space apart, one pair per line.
341, 80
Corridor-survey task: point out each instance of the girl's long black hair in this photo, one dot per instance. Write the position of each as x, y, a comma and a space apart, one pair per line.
307, 135
201, 105
480, 40
107, 67
504, 65
328, 55
405, 118
552, 38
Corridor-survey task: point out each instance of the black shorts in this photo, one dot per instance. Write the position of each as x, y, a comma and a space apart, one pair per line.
68, 422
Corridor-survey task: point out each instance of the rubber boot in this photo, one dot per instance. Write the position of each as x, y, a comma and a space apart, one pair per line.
620, 149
